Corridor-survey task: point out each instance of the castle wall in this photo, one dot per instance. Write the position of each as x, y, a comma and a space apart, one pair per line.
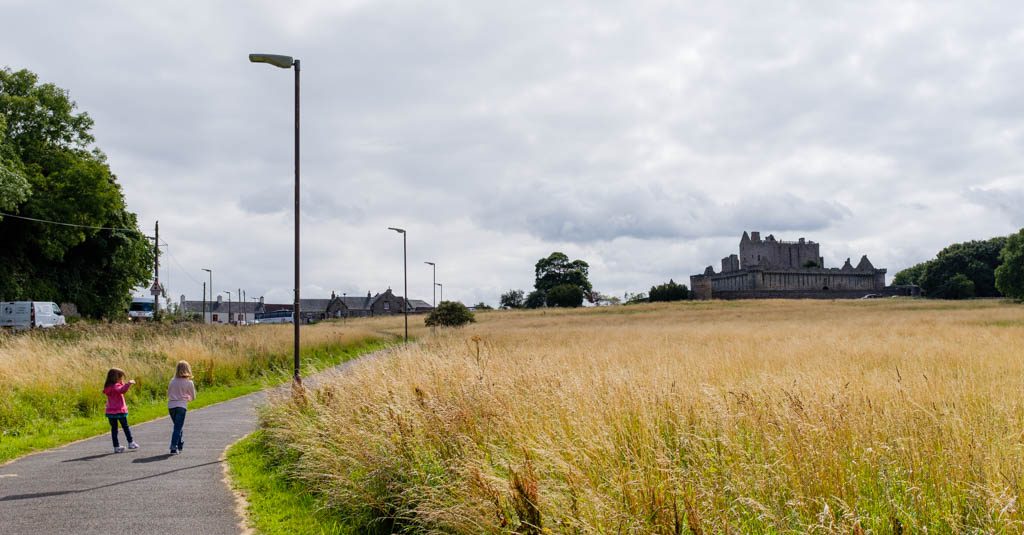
777, 254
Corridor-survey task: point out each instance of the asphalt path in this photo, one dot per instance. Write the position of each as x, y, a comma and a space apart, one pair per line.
85, 487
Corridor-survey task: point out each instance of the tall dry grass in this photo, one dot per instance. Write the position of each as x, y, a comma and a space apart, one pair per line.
56, 374
881, 416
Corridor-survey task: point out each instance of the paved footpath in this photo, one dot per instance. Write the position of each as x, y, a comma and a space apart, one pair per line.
86, 488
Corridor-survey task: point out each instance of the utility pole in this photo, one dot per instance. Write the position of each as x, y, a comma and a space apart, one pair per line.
204, 302
156, 273
241, 303
229, 305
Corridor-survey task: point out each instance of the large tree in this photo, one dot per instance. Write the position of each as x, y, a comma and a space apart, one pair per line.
557, 270
975, 260
1010, 273
50, 170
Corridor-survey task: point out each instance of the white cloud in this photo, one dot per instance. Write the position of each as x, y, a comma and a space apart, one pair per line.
643, 137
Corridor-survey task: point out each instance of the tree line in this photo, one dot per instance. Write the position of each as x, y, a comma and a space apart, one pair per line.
564, 283
50, 170
978, 268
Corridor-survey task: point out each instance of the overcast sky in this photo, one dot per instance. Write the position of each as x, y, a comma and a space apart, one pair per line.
642, 137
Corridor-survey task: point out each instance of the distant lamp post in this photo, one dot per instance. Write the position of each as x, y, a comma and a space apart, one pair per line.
433, 287
210, 271
287, 62
442, 290
405, 278
229, 305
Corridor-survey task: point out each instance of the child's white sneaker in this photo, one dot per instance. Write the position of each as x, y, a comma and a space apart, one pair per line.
133, 446
119, 449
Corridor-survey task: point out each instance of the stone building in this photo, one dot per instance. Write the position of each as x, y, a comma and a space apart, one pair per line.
771, 268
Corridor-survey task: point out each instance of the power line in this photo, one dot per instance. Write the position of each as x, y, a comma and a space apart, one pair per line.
183, 270
66, 224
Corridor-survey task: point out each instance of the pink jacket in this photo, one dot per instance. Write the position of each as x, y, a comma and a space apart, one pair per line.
115, 398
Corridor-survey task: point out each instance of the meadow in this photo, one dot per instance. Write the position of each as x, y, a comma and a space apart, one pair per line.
51, 381
882, 416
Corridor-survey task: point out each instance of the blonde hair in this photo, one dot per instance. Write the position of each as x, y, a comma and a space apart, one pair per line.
183, 370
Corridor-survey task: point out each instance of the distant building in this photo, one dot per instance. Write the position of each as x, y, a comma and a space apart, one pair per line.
771, 268
381, 304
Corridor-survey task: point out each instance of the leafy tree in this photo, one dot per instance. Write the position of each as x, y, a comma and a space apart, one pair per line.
536, 299
564, 295
1010, 273
483, 306
513, 299
557, 270
911, 275
957, 287
449, 314
50, 170
975, 260
669, 291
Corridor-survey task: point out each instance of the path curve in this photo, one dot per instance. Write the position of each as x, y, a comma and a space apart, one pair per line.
86, 488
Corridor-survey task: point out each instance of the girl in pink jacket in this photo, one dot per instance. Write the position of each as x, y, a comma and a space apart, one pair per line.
117, 409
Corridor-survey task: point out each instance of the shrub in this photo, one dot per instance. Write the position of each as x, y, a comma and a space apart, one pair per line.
536, 299
1010, 274
670, 291
449, 314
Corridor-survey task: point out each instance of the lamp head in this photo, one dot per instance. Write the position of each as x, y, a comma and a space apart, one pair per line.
285, 62
398, 230
430, 263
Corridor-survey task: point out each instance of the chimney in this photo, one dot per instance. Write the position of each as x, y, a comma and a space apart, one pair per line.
219, 297
261, 300
332, 294
367, 294
755, 236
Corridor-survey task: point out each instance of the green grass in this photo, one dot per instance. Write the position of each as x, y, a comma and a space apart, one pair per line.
45, 433
276, 505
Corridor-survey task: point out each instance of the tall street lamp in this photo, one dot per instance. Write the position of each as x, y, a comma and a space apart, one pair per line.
287, 62
211, 297
434, 286
229, 305
405, 278
442, 290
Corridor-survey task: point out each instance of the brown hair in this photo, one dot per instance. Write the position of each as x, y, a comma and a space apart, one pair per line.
114, 376
183, 370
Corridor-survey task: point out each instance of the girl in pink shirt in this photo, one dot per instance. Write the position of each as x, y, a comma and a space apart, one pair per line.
180, 391
117, 409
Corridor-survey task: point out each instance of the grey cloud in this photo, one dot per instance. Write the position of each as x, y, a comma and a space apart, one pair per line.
1008, 202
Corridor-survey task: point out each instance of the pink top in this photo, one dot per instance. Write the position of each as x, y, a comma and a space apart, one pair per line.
115, 398
180, 392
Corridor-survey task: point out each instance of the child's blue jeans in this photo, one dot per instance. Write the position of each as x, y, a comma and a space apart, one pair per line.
114, 419
178, 435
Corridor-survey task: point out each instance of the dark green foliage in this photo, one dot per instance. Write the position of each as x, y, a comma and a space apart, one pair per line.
957, 287
911, 275
536, 299
513, 299
557, 270
811, 264
483, 306
48, 170
564, 295
975, 260
449, 314
669, 291
1010, 273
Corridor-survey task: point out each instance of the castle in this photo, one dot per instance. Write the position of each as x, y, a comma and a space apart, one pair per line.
770, 268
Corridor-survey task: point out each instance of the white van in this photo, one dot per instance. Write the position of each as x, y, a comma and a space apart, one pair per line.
22, 315
140, 309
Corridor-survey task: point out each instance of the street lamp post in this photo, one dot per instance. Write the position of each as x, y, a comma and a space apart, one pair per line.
442, 290
287, 62
433, 287
405, 278
229, 305
211, 297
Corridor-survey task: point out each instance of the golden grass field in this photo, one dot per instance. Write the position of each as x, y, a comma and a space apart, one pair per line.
884, 416
49, 376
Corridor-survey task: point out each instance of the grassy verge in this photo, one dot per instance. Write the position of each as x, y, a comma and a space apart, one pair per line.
276, 505
44, 433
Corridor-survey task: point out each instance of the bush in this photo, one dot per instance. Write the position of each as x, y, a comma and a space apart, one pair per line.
670, 291
565, 295
1010, 274
513, 299
536, 299
449, 314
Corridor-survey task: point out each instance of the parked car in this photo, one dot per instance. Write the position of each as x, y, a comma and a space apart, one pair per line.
23, 315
